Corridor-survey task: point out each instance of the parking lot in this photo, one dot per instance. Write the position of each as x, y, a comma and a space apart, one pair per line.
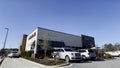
20, 63
112, 63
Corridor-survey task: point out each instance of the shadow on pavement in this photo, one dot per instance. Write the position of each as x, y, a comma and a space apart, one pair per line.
99, 59
85, 61
88, 61
82, 61
66, 64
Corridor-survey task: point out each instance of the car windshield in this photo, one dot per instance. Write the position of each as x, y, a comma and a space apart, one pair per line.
82, 50
14, 52
90, 50
68, 49
58, 50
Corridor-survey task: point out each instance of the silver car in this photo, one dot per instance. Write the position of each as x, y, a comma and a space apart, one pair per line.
13, 54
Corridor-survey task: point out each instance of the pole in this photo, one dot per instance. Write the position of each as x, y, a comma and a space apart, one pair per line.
5, 38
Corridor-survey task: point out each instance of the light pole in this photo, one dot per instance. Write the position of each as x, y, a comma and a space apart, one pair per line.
5, 37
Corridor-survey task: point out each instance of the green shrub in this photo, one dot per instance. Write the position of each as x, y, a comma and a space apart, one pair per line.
26, 54
59, 62
46, 58
107, 56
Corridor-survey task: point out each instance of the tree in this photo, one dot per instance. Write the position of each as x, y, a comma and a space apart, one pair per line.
46, 45
117, 46
109, 47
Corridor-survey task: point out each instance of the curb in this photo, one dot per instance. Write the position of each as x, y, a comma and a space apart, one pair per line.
2, 60
33, 62
44, 66
64, 65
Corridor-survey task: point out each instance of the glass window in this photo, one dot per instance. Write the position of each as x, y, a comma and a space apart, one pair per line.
67, 49
61, 50
82, 50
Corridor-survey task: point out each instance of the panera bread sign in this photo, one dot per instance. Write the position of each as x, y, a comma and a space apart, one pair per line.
31, 36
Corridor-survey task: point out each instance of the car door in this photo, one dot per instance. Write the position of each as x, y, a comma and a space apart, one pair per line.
61, 53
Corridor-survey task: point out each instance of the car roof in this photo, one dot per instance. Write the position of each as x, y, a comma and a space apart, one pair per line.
63, 48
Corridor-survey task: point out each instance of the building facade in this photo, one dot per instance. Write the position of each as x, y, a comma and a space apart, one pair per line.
87, 41
57, 39
23, 43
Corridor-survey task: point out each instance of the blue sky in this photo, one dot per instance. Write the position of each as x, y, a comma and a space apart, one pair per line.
97, 18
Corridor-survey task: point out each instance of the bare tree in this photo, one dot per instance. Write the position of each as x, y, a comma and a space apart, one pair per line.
46, 45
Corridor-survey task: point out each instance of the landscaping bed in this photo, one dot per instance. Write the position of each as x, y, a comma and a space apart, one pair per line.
46, 61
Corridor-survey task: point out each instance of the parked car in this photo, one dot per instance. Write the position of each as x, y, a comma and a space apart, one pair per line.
13, 54
87, 54
67, 54
113, 53
118, 51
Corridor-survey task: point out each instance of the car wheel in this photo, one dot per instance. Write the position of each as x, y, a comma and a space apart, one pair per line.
67, 59
84, 57
93, 58
119, 55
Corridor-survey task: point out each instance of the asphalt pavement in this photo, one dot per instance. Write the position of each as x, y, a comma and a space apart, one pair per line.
112, 63
23, 63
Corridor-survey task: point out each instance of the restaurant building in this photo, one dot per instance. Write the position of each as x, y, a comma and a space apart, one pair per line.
35, 40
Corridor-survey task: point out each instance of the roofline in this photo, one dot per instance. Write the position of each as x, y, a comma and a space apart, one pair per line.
57, 31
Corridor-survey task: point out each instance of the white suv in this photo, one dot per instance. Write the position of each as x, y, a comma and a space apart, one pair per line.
87, 54
67, 54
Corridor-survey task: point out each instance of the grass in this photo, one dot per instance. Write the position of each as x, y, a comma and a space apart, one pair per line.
58, 62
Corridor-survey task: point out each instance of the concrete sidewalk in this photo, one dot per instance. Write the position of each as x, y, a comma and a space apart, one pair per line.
24, 63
